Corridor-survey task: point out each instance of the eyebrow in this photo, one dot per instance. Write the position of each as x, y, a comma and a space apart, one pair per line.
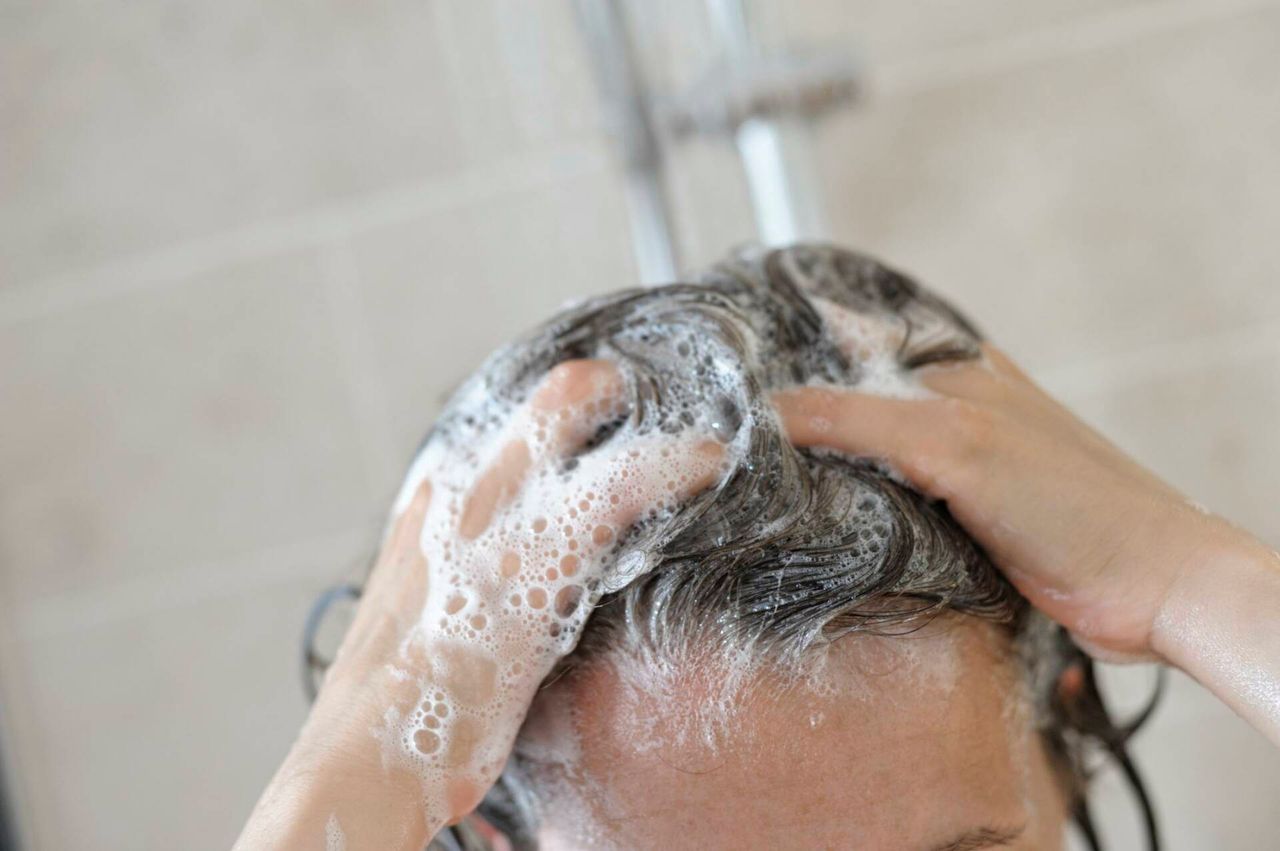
983, 837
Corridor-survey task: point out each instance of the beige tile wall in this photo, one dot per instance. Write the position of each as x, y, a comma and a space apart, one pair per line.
247, 249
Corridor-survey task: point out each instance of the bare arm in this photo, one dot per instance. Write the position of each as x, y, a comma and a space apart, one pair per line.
1090, 537
1221, 624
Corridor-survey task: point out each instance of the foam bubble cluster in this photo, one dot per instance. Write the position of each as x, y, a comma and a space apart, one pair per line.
507, 595
546, 495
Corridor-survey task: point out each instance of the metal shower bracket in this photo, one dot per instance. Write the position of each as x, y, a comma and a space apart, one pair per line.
763, 102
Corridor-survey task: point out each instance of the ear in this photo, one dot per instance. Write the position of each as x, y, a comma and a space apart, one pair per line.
1070, 683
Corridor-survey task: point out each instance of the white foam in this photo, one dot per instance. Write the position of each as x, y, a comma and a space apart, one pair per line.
504, 605
872, 342
334, 838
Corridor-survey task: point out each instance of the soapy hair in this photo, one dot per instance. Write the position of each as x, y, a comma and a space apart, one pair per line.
794, 548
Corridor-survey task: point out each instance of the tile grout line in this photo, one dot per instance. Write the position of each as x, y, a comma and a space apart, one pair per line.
77, 611
944, 67
119, 276
313, 227
186, 259
90, 608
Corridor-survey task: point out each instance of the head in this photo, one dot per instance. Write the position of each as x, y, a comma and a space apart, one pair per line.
812, 654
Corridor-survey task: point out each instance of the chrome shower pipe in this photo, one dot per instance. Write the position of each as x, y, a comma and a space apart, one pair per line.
774, 150
763, 101
629, 111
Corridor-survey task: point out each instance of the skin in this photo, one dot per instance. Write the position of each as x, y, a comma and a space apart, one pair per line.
1095, 541
340, 770
917, 744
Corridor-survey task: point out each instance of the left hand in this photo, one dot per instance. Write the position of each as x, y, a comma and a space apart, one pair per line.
1087, 534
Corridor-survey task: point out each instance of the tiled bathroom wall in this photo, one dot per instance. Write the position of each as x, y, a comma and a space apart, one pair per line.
246, 249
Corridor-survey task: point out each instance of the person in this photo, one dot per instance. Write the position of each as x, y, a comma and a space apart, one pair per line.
788, 557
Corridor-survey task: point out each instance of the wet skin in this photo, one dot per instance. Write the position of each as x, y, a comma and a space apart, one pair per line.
919, 742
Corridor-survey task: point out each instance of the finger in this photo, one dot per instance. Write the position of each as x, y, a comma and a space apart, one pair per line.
678, 473
860, 336
852, 422
988, 378
612, 497
498, 486
681, 471
998, 383
1002, 363
975, 380
402, 567
917, 436
606, 495
574, 400
407, 528
400, 573
569, 405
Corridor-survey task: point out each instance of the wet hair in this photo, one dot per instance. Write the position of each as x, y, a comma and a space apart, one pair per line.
794, 548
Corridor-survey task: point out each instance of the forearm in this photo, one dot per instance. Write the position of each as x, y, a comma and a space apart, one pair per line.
334, 792
1221, 624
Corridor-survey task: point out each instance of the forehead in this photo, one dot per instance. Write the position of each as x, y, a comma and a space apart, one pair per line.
881, 742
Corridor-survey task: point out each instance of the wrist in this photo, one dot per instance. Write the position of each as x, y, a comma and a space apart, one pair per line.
1219, 627
1217, 576
335, 778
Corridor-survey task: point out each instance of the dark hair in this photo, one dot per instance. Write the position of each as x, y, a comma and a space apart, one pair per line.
794, 548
